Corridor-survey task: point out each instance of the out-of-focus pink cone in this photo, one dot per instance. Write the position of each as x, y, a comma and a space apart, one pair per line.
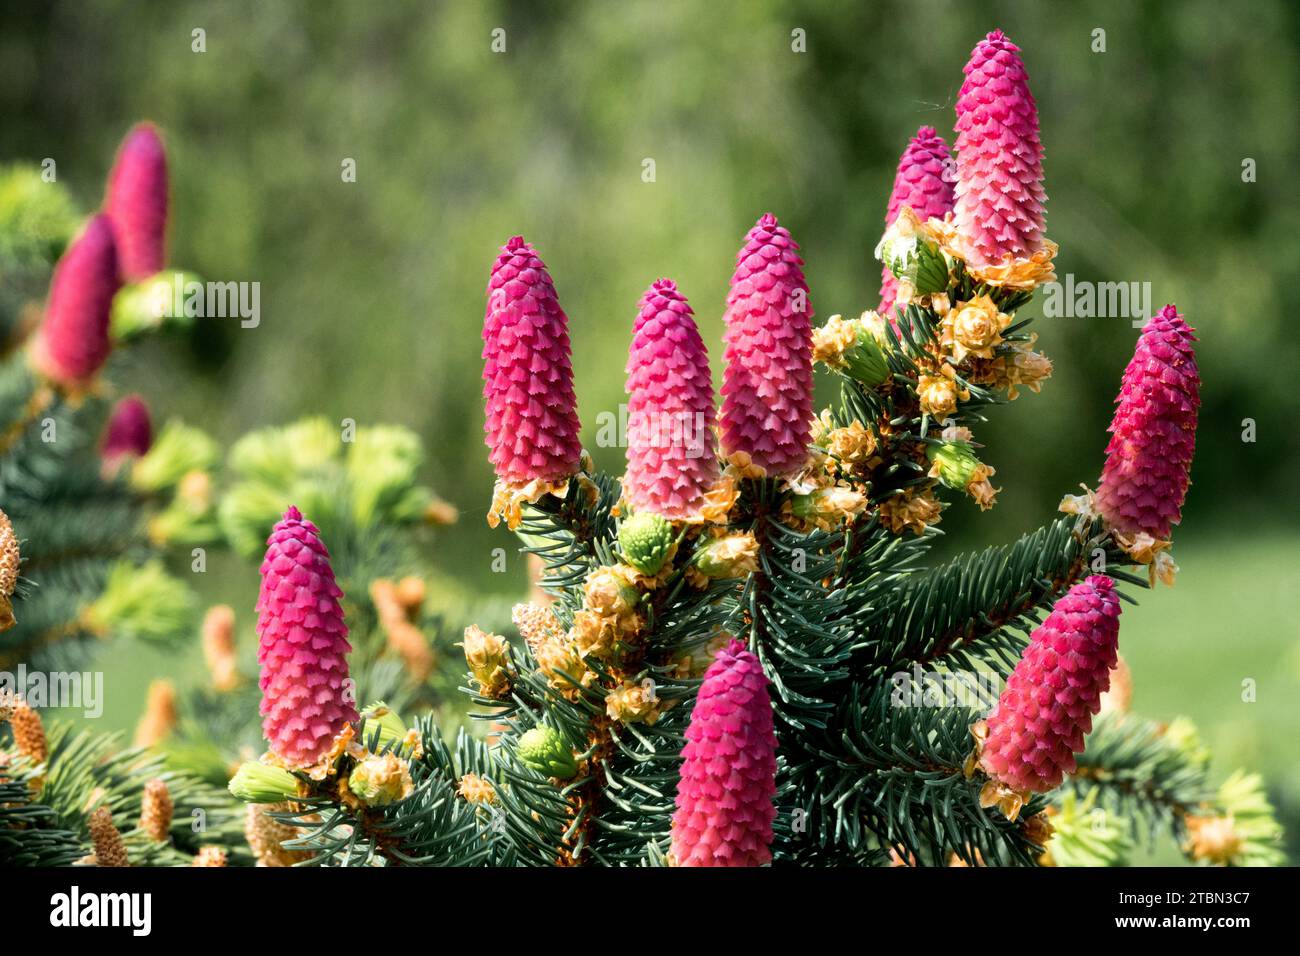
128, 433
72, 342
136, 203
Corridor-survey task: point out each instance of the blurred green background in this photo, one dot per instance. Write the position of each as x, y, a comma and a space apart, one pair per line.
371, 292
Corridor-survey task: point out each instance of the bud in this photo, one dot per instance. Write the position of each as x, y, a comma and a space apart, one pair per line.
647, 541
156, 810
826, 508
26, 726
151, 304
911, 510
596, 635
939, 394
142, 602
256, 782
488, 656
853, 446
219, 647
560, 660
159, 718
536, 623
476, 789
609, 591
391, 727
1243, 832
865, 360
632, 704
210, 856
974, 328
410, 593
542, 749
379, 780
1021, 366
382, 466
109, 849
1084, 834
407, 640
730, 556
179, 450
922, 184
854, 347
266, 837
127, 434
912, 256
954, 463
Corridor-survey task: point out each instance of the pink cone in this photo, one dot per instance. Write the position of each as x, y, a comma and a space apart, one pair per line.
128, 433
999, 193
1153, 434
767, 386
728, 774
532, 418
307, 698
136, 202
72, 343
672, 458
924, 183
1050, 699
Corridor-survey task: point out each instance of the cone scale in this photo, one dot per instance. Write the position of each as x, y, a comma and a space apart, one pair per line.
72, 343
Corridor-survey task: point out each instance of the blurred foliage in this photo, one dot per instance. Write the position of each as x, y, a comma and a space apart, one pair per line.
372, 292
